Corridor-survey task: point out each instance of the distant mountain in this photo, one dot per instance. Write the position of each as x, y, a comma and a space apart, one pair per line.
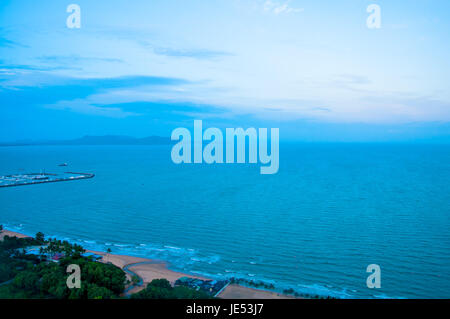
98, 140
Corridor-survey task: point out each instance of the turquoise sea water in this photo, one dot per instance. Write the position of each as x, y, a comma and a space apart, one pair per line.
332, 210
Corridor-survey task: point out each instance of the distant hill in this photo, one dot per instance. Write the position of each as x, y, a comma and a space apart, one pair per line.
98, 140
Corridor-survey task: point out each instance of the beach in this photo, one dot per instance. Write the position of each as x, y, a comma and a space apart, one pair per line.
11, 234
150, 269
144, 268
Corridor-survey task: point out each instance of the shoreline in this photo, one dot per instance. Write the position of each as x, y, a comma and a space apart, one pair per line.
148, 269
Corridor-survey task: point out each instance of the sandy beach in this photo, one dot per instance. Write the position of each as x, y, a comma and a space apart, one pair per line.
149, 269
146, 269
11, 234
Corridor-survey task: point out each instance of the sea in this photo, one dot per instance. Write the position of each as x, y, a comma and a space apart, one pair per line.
332, 210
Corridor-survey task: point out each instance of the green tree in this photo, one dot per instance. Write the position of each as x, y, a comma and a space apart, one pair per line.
40, 237
161, 283
162, 289
96, 292
35, 278
28, 281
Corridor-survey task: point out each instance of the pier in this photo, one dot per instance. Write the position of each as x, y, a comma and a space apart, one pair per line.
40, 178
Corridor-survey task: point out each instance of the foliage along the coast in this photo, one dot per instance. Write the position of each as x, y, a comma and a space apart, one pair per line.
162, 289
34, 276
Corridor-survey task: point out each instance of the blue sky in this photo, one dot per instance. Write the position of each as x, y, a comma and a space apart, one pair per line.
311, 68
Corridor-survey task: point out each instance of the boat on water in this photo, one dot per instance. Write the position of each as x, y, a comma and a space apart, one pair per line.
63, 164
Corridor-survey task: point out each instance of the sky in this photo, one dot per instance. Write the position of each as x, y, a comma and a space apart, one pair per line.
144, 67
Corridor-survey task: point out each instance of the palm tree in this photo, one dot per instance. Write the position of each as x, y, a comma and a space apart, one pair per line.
40, 237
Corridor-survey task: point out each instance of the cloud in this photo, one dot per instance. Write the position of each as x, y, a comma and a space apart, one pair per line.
201, 54
47, 81
169, 110
352, 82
280, 7
6, 42
52, 63
7, 68
110, 105
75, 59
114, 97
84, 107
412, 108
75, 94
352, 79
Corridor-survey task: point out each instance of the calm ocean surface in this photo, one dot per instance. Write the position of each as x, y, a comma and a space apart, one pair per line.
332, 210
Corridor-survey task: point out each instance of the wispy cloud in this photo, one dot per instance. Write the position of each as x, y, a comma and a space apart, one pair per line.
412, 108
4, 42
54, 63
8, 43
280, 7
8, 68
352, 79
201, 54
86, 96
85, 107
57, 59
52, 82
